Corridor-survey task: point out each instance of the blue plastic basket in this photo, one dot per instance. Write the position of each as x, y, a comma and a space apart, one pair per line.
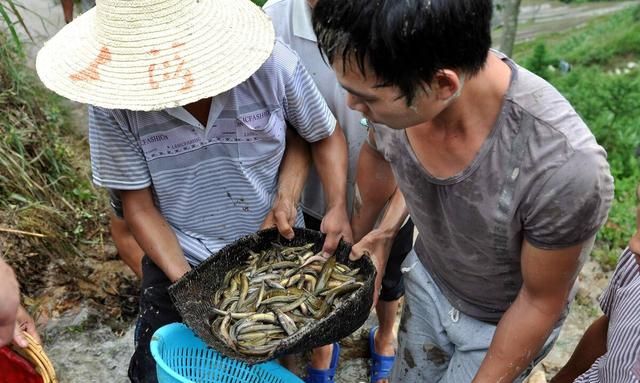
181, 357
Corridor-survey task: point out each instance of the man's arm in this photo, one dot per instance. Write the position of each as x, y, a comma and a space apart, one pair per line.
375, 188
592, 345
67, 10
375, 185
548, 276
330, 158
292, 176
153, 233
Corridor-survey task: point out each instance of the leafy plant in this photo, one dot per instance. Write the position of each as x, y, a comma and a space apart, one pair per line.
44, 182
9, 11
604, 88
539, 61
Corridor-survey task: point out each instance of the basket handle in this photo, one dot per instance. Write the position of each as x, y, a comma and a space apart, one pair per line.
35, 354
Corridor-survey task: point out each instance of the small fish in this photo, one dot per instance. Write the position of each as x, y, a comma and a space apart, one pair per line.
287, 323
276, 292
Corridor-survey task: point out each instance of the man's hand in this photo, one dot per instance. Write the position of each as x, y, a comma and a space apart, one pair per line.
282, 216
291, 178
335, 224
376, 245
9, 302
24, 322
331, 159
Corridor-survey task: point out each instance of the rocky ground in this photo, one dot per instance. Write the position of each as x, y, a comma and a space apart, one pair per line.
86, 346
83, 350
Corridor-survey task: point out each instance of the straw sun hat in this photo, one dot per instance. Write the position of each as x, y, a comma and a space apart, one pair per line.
156, 54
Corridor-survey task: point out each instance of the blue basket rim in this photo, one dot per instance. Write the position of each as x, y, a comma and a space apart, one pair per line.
180, 328
156, 340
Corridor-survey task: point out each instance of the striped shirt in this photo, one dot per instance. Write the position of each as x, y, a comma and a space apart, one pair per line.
214, 183
621, 304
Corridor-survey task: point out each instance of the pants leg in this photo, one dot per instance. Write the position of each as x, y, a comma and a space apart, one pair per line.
156, 310
436, 342
423, 347
469, 354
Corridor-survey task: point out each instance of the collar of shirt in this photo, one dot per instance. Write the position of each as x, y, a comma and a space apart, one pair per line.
301, 15
217, 104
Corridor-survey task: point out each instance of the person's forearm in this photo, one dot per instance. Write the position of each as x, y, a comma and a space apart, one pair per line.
375, 185
518, 339
394, 215
330, 159
294, 168
67, 10
155, 236
547, 278
592, 345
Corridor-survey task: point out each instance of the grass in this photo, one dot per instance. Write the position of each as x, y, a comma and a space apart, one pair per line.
8, 12
44, 182
606, 93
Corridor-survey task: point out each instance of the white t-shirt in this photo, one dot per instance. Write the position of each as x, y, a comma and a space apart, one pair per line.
292, 23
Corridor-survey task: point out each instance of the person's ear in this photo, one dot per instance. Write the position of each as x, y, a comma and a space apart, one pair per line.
447, 85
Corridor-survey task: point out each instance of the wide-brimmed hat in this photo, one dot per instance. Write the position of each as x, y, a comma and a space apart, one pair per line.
156, 54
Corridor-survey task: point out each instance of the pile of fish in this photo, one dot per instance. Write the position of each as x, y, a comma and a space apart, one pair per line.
275, 293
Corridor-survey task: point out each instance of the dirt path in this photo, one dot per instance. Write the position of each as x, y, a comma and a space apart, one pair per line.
538, 17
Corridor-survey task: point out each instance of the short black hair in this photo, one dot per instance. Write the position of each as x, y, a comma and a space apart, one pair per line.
405, 42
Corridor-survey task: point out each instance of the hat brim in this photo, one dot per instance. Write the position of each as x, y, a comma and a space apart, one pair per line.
163, 68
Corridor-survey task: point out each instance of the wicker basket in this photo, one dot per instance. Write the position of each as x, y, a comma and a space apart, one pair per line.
37, 357
192, 295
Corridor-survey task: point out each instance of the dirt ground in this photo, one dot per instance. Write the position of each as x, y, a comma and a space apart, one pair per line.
84, 350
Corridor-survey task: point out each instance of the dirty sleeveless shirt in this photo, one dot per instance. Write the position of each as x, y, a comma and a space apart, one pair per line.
539, 176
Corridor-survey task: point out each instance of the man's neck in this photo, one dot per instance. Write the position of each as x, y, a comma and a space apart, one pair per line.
200, 110
446, 145
479, 103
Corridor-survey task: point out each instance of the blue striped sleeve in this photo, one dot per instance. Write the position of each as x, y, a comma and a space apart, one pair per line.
624, 271
117, 161
304, 106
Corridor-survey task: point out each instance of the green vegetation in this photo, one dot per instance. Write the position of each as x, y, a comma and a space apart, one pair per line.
11, 17
604, 87
44, 184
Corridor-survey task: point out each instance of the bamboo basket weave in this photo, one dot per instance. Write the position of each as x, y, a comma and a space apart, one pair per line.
35, 354
192, 294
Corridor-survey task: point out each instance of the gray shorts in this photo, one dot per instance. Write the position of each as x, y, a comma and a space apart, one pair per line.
436, 342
